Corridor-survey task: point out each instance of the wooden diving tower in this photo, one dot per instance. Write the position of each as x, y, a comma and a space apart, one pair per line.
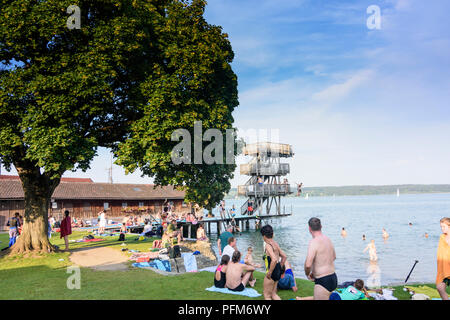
264, 189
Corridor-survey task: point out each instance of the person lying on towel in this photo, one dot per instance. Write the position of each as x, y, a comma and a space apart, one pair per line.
356, 292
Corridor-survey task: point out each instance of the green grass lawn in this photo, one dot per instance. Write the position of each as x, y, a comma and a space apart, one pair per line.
45, 277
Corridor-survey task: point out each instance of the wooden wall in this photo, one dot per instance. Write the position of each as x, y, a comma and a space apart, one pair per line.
86, 209
7, 210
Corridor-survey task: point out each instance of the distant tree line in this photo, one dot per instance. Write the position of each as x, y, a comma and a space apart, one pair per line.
365, 190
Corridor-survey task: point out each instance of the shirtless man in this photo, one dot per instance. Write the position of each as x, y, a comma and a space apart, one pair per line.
343, 233
319, 264
238, 274
372, 250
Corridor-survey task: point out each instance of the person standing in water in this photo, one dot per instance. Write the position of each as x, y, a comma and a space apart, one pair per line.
372, 251
319, 264
343, 232
385, 234
443, 259
272, 255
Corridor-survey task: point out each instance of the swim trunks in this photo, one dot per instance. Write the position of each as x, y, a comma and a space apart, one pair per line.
239, 288
328, 282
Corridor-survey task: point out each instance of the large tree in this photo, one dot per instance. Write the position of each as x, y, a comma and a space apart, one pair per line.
134, 72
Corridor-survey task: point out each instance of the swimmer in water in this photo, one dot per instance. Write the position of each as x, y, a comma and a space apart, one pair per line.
426, 235
385, 234
364, 237
343, 232
372, 251
410, 224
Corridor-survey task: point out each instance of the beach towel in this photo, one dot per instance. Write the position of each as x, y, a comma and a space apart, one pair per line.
387, 295
248, 292
92, 240
209, 269
157, 264
190, 264
426, 290
144, 255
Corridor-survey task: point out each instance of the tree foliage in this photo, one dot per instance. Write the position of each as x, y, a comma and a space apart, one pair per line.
133, 73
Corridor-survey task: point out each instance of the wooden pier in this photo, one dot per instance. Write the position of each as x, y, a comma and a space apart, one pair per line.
243, 222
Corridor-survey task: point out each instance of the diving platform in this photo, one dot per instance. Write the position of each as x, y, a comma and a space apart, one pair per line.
265, 188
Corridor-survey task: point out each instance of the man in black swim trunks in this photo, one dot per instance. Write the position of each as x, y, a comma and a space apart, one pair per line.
319, 264
238, 274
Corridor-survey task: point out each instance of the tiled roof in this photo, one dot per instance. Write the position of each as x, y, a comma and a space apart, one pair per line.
12, 189
8, 177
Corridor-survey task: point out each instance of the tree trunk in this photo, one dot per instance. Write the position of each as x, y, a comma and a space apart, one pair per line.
38, 190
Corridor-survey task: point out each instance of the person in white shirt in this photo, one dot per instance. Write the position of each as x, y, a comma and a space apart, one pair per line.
230, 248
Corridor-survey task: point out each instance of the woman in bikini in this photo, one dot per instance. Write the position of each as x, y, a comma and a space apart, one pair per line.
272, 255
220, 276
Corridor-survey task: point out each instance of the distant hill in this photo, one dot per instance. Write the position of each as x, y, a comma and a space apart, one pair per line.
367, 190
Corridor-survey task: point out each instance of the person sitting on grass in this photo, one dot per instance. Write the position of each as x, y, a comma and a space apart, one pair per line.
220, 275
287, 280
355, 292
238, 274
249, 258
201, 234
173, 232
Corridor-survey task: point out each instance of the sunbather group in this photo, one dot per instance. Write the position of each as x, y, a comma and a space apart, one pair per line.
319, 265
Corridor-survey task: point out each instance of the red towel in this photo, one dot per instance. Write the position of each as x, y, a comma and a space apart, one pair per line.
90, 240
66, 227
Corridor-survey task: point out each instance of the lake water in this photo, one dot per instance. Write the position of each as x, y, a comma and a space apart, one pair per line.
361, 215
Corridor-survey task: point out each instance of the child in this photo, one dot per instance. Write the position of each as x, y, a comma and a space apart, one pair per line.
249, 258
123, 230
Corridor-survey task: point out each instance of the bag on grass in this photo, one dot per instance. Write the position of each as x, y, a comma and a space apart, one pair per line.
174, 252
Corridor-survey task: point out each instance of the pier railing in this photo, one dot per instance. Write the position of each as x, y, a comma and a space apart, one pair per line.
270, 169
264, 190
269, 149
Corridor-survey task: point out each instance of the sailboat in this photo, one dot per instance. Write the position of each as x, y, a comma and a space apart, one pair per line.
398, 192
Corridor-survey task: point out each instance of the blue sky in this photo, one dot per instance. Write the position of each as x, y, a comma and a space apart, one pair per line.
359, 106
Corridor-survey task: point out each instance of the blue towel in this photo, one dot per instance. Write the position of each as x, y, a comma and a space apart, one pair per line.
190, 264
163, 265
248, 292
